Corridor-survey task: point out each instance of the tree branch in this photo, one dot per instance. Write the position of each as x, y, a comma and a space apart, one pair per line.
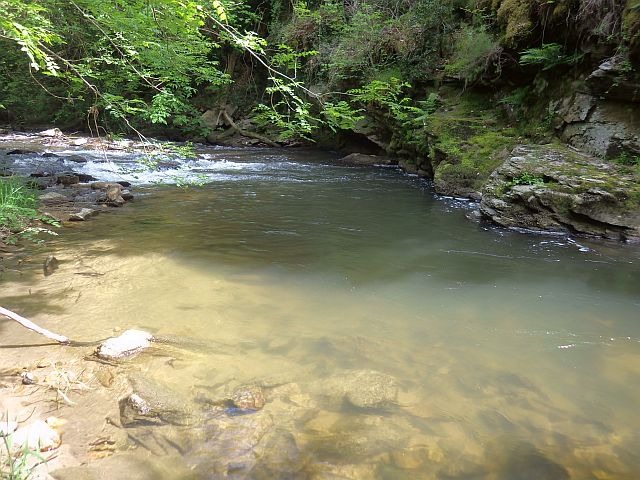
32, 326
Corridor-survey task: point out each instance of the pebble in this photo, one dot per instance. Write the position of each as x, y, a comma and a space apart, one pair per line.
28, 378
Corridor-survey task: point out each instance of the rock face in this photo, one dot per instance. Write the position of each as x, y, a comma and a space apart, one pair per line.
601, 118
552, 188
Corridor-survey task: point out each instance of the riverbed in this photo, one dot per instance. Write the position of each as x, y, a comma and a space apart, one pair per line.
512, 355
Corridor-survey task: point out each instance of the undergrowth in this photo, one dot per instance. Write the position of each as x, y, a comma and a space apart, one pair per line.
18, 211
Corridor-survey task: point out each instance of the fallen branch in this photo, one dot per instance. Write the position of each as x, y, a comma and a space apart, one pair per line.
246, 133
32, 326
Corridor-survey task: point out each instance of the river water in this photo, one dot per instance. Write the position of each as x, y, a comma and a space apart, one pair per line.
515, 356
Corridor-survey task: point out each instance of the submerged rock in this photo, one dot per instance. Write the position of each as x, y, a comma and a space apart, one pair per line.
248, 397
366, 389
129, 343
153, 403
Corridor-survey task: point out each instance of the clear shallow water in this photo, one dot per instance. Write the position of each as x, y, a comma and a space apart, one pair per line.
516, 356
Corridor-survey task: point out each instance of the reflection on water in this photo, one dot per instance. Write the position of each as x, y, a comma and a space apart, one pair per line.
510, 356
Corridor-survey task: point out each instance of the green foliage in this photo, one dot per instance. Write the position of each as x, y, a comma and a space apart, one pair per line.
19, 466
526, 178
627, 159
17, 204
18, 212
548, 56
341, 115
386, 96
475, 52
288, 113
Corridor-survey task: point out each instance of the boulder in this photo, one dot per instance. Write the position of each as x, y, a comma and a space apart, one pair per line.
114, 198
129, 343
67, 179
553, 188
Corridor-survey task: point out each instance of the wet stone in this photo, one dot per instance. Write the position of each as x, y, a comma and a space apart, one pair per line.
248, 398
82, 215
365, 389
153, 403
53, 197
50, 265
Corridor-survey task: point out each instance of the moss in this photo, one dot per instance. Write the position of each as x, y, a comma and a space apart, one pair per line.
514, 16
469, 142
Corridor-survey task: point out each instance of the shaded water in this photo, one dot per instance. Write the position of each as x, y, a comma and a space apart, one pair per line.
516, 356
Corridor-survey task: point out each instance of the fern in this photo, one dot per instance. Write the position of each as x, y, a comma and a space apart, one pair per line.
548, 56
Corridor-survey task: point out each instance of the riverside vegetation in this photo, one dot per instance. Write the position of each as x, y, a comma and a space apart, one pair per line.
446, 87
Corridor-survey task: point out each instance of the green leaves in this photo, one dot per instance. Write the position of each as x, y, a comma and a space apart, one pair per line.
548, 56
220, 10
26, 24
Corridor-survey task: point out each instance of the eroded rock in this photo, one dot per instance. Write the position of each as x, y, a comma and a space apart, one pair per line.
552, 188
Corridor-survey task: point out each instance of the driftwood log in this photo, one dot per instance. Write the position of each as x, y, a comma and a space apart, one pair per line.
32, 326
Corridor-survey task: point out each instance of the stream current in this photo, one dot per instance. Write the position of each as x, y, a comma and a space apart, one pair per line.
515, 356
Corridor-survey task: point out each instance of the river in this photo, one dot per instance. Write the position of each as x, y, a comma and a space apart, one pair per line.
515, 356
